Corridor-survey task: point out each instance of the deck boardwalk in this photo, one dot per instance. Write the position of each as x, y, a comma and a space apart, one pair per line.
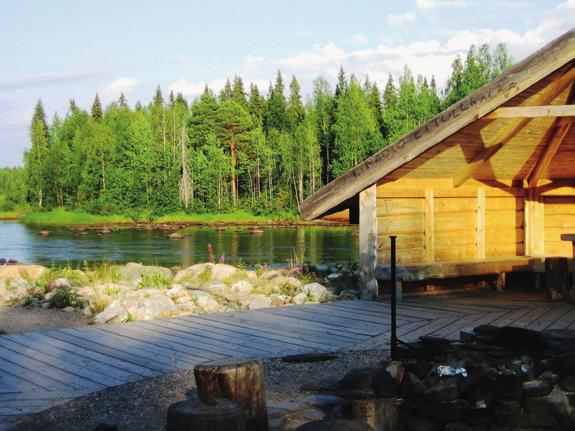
41, 369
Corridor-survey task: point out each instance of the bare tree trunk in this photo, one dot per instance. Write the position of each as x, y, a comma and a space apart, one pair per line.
233, 185
186, 187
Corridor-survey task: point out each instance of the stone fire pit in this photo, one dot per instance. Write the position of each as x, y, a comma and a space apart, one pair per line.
493, 379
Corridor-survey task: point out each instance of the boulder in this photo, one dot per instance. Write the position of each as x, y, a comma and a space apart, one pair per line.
282, 280
387, 381
334, 276
22, 272
359, 379
68, 309
316, 291
300, 298
446, 389
322, 268
60, 283
193, 271
412, 387
114, 313
564, 364
86, 292
556, 403
242, 287
147, 309
222, 271
214, 286
177, 291
133, 274
205, 300
537, 388
260, 302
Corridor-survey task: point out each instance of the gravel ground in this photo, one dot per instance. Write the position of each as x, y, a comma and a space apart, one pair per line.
18, 319
143, 405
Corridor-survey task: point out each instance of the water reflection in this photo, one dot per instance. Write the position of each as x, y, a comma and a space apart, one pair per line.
273, 246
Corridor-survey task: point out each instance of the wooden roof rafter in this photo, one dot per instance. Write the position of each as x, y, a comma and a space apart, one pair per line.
562, 127
550, 93
532, 112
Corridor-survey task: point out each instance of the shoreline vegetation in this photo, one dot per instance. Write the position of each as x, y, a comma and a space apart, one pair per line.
61, 217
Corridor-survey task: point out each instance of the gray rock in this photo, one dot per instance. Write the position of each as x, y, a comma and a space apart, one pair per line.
150, 308
222, 271
268, 275
215, 286
112, 314
316, 291
300, 298
260, 302
536, 388
334, 276
556, 403
322, 267
282, 280
68, 309
60, 283
193, 271
242, 287
205, 300
177, 291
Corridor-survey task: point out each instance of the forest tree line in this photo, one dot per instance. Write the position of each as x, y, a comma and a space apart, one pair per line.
239, 149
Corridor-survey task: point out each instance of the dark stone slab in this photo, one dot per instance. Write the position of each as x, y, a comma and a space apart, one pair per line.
309, 357
335, 425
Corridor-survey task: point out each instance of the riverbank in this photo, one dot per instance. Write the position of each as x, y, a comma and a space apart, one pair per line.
60, 217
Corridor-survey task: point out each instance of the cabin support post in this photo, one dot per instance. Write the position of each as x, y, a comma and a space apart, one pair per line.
533, 224
368, 242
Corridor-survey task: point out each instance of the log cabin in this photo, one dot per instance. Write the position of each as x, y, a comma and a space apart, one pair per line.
485, 187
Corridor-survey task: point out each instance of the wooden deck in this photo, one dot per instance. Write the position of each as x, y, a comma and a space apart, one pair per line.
41, 369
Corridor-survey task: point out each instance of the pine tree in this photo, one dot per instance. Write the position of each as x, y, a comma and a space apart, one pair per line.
295, 110
122, 101
96, 111
238, 93
276, 107
227, 93
341, 85
256, 105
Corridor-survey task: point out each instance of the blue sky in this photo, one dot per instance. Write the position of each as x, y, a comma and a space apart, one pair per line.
61, 49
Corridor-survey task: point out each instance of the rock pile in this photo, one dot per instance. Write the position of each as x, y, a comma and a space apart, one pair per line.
494, 379
137, 292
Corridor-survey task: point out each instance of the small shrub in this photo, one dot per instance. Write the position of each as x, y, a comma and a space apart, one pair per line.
261, 268
241, 265
98, 303
3, 332
104, 272
205, 275
297, 257
63, 298
155, 278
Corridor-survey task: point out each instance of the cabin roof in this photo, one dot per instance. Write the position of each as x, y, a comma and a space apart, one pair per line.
458, 142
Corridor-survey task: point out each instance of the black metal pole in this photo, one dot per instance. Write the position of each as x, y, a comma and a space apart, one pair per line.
393, 301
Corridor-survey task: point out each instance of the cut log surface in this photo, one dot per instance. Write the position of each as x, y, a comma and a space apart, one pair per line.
240, 382
194, 415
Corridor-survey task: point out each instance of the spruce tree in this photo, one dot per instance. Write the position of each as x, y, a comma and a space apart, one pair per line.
276, 109
295, 110
238, 93
96, 111
122, 101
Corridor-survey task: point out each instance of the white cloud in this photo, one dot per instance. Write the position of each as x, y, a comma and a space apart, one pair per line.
120, 85
439, 4
304, 33
359, 39
400, 19
252, 61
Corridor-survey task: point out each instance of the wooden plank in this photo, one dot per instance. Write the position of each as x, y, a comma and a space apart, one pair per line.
544, 321
549, 153
480, 224
429, 211
368, 242
155, 335
279, 325
483, 157
33, 346
532, 112
278, 337
126, 354
34, 372
243, 344
304, 316
345, 315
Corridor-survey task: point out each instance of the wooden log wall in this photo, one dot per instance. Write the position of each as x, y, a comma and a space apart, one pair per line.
558, 219
436, 222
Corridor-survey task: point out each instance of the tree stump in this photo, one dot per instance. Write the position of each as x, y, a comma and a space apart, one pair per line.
237, 381
194, 415
556, 275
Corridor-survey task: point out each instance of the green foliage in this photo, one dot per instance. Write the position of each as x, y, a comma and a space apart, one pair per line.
155, 279
205, 275
65, 297
245, 151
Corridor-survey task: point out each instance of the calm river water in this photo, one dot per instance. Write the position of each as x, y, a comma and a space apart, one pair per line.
273, 246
